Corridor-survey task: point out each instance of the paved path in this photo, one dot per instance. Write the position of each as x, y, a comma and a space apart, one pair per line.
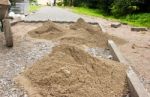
54, 14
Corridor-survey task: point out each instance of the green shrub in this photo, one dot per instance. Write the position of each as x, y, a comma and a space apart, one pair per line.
116, 8
120, 7
60, 3
66, 2
105, 5
142, 19
92, 3
123, 7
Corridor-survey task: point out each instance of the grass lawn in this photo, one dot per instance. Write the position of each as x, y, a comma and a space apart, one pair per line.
141, 19
33, 8
87, 11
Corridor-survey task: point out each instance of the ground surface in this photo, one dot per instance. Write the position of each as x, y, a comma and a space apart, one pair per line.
13, 60
26, 50
138, 57
55, 75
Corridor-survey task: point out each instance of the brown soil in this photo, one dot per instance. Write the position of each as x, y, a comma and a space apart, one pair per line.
48, 31
71, 72
4, 2
79, 33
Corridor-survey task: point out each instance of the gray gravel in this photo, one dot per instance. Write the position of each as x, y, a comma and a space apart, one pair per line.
15, 60
99, 52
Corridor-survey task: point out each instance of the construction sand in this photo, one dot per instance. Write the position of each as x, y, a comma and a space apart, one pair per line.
69, 71
79, 33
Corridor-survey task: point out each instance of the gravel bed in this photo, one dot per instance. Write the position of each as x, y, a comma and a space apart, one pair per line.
14, 61
99, 52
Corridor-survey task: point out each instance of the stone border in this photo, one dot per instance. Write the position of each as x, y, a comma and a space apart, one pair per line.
14, 22
135, 86
101, 27
117, 56
69, 22
61, 22
137, 29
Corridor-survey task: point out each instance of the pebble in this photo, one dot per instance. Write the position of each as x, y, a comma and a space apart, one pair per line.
137, 29
115, 25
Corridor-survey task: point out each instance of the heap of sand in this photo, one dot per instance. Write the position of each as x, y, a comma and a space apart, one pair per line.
70, 72
79, 33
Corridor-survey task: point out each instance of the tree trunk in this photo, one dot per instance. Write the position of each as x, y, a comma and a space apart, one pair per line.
54, 2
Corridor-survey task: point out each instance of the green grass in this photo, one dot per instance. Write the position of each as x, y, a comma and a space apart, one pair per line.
33, 8
142, 19
87, 11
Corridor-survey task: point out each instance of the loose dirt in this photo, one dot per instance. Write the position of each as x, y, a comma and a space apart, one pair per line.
79, 33
70, 72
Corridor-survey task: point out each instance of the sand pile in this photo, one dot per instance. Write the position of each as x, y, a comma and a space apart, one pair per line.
48, 31
70, 72
79, 33
81, 24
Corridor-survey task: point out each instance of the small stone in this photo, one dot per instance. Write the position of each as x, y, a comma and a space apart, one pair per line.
124, 23
133, 46
143, 32
66, 72
135, 52
110, 57
25, 95
115, 25
99, 56
137, 29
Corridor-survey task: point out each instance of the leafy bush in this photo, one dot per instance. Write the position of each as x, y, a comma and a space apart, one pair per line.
121, 7
105, 5
116, 8
140, 18
92, 3
60, 3
66, 2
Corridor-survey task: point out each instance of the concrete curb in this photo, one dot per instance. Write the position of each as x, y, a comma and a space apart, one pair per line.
137, 29
61, 22
69, 22
15, 22
135, 86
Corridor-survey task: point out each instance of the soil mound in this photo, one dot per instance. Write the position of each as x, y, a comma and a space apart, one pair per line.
79, 33
81, 24
48, 30
71, 72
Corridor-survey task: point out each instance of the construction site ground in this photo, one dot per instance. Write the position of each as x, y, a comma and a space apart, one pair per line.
28, 50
